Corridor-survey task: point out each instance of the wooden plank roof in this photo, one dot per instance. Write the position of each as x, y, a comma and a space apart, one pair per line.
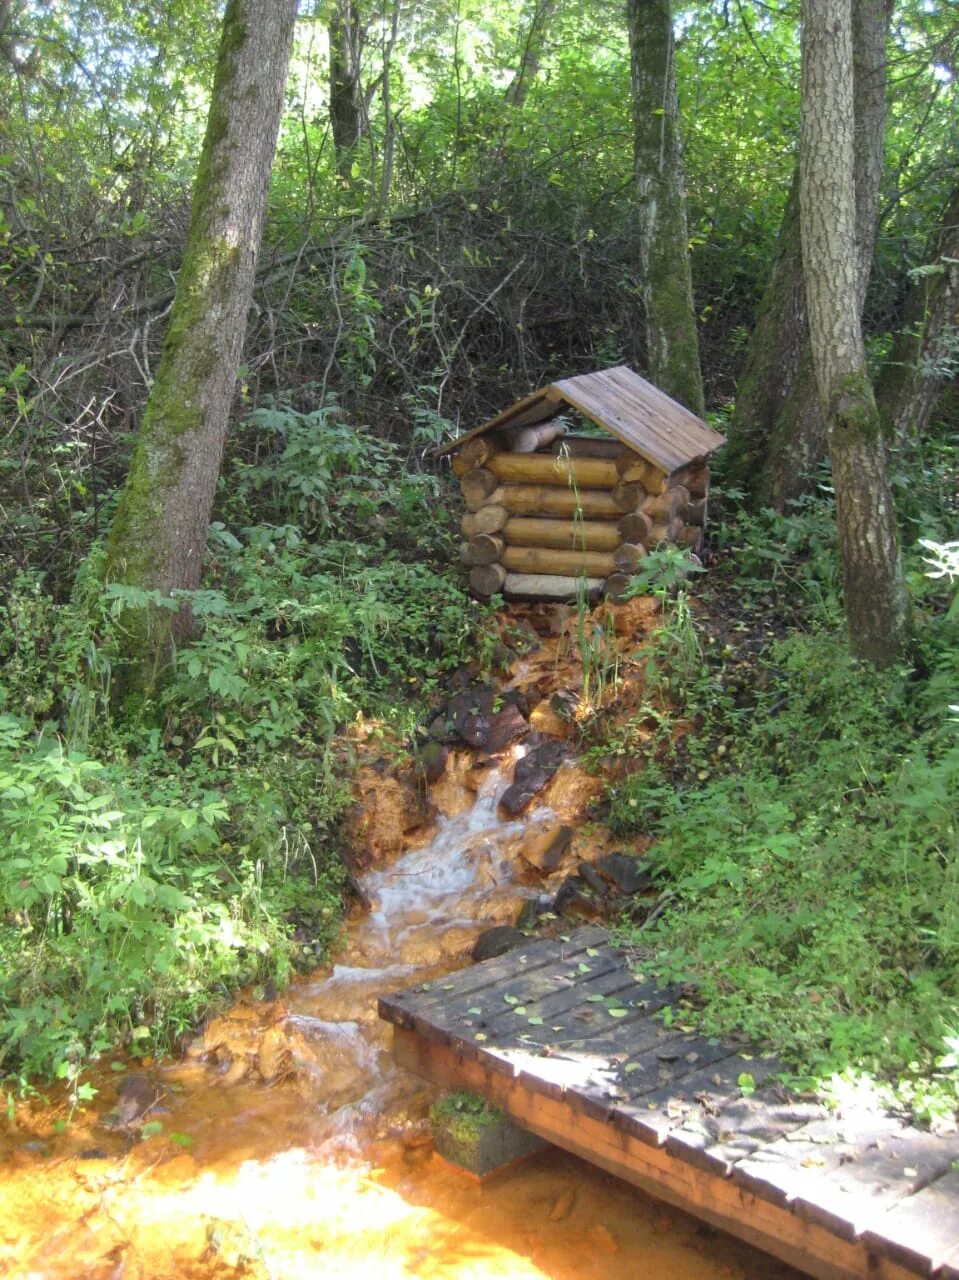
639, 415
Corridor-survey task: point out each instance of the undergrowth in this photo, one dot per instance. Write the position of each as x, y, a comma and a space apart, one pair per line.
805, 811
160, 854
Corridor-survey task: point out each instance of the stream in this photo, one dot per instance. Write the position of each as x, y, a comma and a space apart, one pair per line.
328, 1170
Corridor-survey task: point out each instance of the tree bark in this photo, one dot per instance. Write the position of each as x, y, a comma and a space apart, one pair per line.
346, 90
925, 352
875, 599
777, 434
158, 536
671, 340
532, 54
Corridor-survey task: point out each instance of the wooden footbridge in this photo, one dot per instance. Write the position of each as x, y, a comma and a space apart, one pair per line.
579, 1048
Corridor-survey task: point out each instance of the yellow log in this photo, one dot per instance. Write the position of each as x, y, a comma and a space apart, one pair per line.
486, 580
484, 548
547, 468
478, 451
487, 520
663, 506
477, 485
581, 535
628, 557
633, 527
695, 477
628, 495
595, 564
578, 446
544, 500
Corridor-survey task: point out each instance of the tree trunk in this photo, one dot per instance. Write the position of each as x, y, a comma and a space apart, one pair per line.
346, 91
875, 599
925, 352
671, 340
777, 434
532, 54
158, 537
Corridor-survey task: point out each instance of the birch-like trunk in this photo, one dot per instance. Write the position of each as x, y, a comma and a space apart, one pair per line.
158, 536
876, 603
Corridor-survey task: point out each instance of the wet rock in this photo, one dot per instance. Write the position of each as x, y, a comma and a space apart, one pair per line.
627, 875
496, 942
505, 727
531, 775
565, 703
137, 1095
533, 911
543, 719
387, 810
469, 712
572, 791
572, 900
433, 756
592, 879
543, 847
273, 1057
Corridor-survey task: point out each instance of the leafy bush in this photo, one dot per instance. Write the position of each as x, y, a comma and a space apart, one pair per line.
813, 856
160, 855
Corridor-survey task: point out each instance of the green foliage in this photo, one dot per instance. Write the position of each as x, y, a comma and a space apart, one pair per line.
806, 830
163, 853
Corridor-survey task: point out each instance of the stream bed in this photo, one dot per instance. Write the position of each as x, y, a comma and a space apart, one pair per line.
287, 1145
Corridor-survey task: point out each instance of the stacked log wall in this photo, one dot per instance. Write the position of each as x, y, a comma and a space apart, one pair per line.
544, 513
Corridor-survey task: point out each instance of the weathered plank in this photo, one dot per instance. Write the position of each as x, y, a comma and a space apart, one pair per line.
433, 997
920, 1233
846, 1172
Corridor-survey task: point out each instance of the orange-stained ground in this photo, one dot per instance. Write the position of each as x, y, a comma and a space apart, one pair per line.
287, 1145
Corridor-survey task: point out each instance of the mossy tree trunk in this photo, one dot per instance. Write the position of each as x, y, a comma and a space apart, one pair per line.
875, 598
777, 434
158, 536
925, 352
670, 320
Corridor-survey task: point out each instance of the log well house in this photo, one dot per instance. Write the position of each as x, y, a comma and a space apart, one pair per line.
548, 508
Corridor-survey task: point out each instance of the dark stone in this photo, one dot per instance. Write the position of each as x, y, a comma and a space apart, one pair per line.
533, 910
515, 799
506, 726
470, 712
592, 879
136, 1096
531, 775
570, 900
628, 875
545, 759
564, 703
514, 698
496, 942
93, 1153
441, 728
432, 760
